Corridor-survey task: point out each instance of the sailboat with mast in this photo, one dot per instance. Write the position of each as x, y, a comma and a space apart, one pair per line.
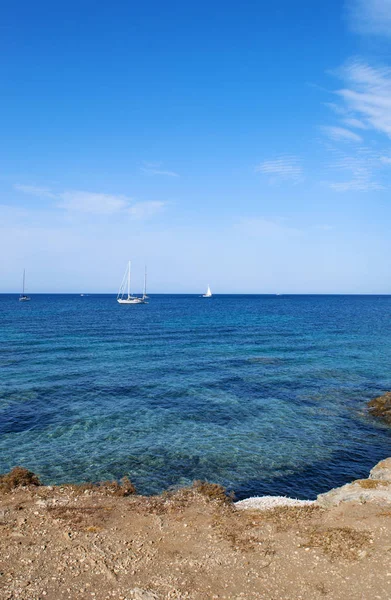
23, 297
145, 297
124, 296
208, 293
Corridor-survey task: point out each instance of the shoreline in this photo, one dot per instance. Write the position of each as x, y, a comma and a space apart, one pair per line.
105, 541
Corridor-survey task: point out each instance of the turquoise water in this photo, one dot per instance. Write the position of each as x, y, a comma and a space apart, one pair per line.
264, 394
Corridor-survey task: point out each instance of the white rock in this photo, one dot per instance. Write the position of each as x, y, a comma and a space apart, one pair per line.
358, 492
382, 470
269, 502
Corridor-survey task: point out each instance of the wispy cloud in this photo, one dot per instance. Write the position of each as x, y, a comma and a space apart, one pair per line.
90, 202
324, 227
34, 190
154, 169
143, 210
159, 172
367, 94
359, 172
282, 168
259, 226
95, 203
355, 123
341, 134
371, 17
364, 104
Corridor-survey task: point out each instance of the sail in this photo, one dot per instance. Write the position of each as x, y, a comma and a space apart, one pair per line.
145, 284
124, 289
23, 297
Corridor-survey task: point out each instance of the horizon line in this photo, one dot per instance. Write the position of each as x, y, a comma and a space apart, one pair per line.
199, 294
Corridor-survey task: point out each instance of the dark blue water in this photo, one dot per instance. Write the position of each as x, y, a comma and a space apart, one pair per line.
264, 394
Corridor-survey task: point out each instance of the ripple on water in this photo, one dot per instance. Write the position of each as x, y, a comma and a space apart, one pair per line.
262, 395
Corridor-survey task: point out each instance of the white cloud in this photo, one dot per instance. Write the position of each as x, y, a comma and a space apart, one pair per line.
41, 192
367, 94
144, 210
90, 202
360, 171
80, 201
259, 226
341, 134
360, 184
352, 122
281, 168
324, 227
152, 171
155, 168
365, 104
337, 108
370, 16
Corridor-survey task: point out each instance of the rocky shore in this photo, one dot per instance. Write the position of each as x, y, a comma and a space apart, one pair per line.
105, 542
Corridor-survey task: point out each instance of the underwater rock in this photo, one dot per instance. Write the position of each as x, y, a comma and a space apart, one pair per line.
381, 407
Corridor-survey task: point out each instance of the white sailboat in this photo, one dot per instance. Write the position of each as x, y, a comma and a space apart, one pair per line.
208, 293
23, 297
145, 297
124, 296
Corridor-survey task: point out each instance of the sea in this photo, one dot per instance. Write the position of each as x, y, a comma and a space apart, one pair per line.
264, 394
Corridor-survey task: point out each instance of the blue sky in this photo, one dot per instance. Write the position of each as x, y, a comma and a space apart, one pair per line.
245, 145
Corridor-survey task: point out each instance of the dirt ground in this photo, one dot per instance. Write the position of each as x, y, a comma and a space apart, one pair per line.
69, 543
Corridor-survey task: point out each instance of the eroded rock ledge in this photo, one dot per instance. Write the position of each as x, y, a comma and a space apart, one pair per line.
377, 488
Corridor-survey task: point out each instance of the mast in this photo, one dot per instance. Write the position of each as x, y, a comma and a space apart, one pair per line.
129, 280
145, 283
24, 274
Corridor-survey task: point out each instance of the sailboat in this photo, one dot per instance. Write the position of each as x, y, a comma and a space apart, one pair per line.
23, 297
208, 293
124, 296
145, 297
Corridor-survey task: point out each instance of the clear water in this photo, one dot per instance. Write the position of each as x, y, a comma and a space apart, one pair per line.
264, 394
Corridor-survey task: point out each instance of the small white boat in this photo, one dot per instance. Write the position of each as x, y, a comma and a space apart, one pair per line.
23, 297
208, 293
124, 296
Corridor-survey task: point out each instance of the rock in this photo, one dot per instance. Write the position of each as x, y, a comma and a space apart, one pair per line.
377, 488
382, 470
139, 594
381, 407
269, 502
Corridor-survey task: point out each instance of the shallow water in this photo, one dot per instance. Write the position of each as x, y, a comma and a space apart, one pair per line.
264, 394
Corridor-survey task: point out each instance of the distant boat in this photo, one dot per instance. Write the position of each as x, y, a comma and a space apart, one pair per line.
124, 296
23, 297
208, 293
145, 297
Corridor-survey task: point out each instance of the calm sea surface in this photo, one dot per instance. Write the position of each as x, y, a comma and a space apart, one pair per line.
264, 394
